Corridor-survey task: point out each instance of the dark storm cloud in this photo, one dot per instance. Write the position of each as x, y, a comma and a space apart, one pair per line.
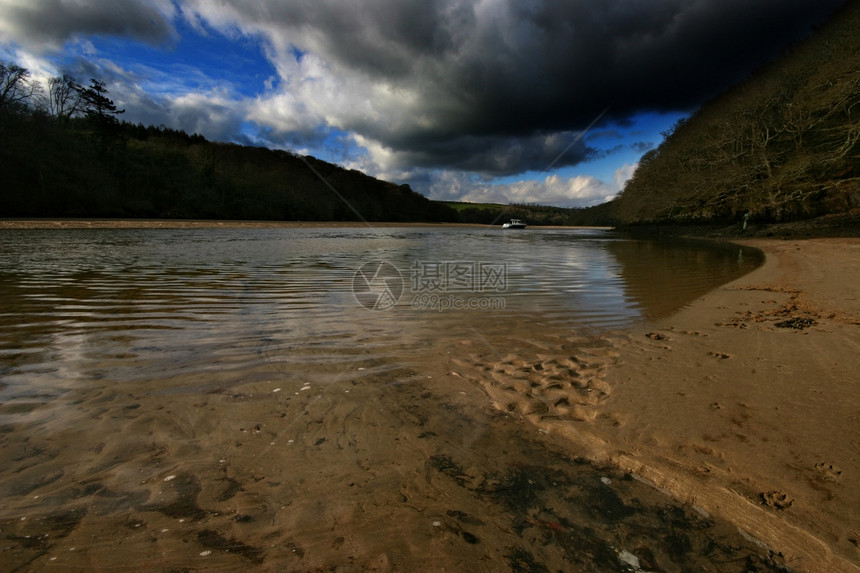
490, 86
487, 72
47, 24
498, 154
557, 65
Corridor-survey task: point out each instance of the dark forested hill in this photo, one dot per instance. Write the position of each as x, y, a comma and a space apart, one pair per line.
65, 153
80, 167
781, 146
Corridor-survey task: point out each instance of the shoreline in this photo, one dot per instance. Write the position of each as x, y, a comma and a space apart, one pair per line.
92, 223
745, 403
834, 225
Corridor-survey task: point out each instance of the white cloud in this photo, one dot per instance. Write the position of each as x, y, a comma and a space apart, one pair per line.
212, 115
575, 191
622, 175
153, 98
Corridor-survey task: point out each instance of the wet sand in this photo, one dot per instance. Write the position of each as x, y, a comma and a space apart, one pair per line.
745, 404
378, 470
754, 395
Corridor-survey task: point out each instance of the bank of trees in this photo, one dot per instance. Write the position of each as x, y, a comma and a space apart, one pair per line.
781, 146
496, 214
64, 152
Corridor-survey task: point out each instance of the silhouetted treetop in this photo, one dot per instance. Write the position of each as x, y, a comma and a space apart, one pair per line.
17, 90
96, 105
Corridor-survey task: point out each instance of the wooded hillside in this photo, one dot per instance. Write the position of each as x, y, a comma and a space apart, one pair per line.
66, 154
781, 146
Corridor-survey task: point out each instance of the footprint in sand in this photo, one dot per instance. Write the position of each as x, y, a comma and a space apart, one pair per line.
776, 499
657, 336
829, 472
544, 385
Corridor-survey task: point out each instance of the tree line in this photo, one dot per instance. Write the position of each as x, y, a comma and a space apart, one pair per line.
65, 97
64, 152
496, 214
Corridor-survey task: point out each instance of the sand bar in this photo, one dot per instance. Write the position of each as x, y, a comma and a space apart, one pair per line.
747, 403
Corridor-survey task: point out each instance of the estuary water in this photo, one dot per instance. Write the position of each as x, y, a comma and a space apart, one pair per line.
143, 303
289, 398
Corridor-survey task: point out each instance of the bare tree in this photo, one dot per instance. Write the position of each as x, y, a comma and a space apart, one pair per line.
16, 88
64, 98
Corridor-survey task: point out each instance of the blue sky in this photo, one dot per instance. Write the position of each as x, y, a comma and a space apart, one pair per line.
195, 59
547, 102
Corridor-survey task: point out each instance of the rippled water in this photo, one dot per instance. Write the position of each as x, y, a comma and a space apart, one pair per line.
82, 304
144, 303
228, 359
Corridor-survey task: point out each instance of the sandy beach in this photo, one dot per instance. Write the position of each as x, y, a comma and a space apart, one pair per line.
745, 404
752, 407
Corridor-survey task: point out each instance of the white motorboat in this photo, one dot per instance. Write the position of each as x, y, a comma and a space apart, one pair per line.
514, 224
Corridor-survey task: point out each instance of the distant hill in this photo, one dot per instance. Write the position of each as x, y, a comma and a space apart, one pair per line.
76, 167
496, 214
782, 146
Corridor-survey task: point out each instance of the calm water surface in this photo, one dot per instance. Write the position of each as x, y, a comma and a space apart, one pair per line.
221, 393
